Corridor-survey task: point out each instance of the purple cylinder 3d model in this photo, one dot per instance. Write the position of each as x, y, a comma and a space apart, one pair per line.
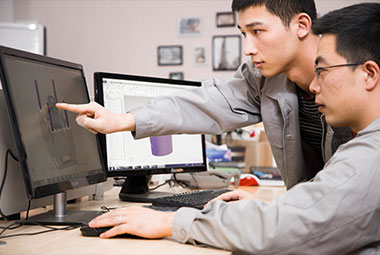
161, 145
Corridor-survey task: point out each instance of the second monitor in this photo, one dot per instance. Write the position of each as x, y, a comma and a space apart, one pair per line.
139, 159
55, 154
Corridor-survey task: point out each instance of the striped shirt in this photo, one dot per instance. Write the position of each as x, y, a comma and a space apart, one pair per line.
310, 121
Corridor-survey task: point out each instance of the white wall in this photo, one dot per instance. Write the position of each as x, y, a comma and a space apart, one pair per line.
324, 6
6, 10
123, 35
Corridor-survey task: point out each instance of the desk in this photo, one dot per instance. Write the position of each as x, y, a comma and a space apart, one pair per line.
72, 242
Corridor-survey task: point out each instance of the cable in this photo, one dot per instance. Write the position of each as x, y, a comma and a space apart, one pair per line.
173, 181
16, 225
27, 210
49, 229
160, 185
13, 225
180, 183
5, 176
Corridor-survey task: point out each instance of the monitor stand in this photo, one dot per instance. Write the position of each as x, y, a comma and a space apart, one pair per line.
59, 216
136, 189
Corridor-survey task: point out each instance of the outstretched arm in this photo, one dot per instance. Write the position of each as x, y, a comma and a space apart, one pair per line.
96, 118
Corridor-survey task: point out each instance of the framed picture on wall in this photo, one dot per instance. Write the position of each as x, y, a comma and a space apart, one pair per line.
189, 26
169, 55
226, 52
199, 55
176, 75
225, 19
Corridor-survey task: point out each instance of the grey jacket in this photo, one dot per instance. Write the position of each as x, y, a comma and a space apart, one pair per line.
336, 213
244, 100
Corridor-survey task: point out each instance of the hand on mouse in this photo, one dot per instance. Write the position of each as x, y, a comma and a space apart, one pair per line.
234, 195
135, 220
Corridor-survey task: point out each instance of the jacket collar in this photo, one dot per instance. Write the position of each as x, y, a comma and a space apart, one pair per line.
373, 127
274, 86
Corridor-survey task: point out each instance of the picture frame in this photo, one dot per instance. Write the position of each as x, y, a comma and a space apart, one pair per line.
169, 55
189, 26
226, 52
225, 19
176, 75
199, 55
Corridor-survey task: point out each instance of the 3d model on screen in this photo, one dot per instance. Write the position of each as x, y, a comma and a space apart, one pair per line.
55, 130
161, 145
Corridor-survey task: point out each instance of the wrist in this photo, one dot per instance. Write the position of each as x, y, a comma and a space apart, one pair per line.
126, 122
169, 223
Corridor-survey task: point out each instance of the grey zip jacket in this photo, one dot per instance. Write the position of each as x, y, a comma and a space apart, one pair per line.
245, 99
338, 212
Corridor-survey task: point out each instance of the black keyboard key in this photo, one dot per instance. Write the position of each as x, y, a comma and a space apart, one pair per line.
195, 199
162, 208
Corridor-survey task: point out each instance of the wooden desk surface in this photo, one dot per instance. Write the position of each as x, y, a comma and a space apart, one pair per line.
72, 242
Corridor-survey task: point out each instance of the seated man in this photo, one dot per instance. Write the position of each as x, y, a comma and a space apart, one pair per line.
335, 213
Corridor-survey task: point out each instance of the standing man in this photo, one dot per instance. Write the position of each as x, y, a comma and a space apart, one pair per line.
278, 39
338, 212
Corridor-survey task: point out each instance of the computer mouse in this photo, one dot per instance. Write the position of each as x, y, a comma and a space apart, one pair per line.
248, 180
86, 230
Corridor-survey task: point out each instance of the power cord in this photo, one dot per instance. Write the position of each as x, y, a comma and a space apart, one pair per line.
172, 182
5, 176
180, 183
27, 210
15, 225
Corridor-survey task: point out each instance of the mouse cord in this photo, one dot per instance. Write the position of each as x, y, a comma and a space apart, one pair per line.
49, 229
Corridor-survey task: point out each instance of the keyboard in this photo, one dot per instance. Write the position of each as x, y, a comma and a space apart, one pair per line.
162, 208
195, 199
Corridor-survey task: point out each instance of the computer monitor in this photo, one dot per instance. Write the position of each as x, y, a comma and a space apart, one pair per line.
13, 197
55, 154
138, 159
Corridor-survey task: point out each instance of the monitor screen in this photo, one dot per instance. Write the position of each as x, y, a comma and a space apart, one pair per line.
54, 152
126, 156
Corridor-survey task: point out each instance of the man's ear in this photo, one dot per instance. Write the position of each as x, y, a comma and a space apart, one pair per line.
303, 22
371, 74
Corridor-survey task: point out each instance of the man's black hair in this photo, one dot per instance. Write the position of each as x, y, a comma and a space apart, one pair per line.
284, 9
357, 31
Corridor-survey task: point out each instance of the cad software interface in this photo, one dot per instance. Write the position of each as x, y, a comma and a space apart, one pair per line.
56, 148
126, 153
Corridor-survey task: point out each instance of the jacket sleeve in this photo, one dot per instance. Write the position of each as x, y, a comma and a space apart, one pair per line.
214, 108
336, 213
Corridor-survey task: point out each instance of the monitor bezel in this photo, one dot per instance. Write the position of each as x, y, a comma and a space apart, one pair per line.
98, 91
49, 189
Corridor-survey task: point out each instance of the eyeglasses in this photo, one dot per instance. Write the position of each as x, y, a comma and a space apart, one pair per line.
318, 70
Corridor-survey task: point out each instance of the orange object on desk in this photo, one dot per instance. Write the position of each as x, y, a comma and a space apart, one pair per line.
248, 180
